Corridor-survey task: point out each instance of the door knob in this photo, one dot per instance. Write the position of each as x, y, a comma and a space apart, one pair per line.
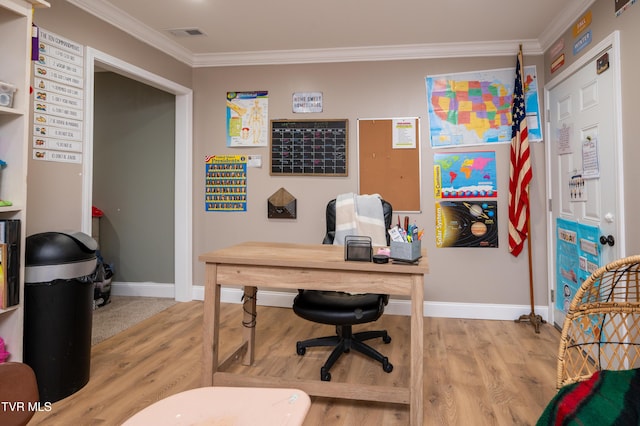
607, 240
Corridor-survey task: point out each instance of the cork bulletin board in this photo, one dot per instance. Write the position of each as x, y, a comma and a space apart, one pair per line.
309, 147
385, 169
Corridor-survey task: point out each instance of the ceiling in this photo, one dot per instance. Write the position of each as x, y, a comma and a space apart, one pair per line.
298, 31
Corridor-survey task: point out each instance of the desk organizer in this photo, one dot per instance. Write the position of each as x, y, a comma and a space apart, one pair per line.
358, 248
406, 252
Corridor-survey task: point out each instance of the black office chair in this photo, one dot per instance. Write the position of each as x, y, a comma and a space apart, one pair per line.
343, 310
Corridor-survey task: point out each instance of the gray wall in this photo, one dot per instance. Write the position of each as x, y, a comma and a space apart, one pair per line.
133, 177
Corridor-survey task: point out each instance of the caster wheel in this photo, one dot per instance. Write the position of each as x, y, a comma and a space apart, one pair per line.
386, 339
325, 376
387, 366
301, 350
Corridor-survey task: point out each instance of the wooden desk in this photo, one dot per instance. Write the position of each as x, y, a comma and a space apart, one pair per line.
309, 266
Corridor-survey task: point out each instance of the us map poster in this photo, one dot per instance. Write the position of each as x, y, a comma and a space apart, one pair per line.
466, 224
247, 119
474, 108
226, 183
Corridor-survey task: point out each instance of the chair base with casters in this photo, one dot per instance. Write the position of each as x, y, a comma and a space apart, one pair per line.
342, 310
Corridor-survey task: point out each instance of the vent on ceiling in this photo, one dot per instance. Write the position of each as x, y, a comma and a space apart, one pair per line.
186, 32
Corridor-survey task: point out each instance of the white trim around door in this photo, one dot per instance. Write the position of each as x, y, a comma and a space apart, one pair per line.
610, 42
183, 253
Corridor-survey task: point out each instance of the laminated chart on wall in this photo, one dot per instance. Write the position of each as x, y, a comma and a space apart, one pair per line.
226, 183
465, 175
247, 119
58, 106
474, 108
567, 263
588, 250
577, 256
466, 224
588, 258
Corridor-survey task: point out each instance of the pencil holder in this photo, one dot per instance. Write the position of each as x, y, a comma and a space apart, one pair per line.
407, 252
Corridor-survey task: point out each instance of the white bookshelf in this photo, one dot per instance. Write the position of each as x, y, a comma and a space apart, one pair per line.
15, 69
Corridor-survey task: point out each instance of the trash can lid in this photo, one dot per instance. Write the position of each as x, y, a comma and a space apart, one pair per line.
58, 255
48, 248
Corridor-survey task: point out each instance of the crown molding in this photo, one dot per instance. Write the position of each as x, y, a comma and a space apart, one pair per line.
369, 53
116, 17
562, 22
112, 15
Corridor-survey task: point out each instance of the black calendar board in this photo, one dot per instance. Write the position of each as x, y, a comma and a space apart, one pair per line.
309, 147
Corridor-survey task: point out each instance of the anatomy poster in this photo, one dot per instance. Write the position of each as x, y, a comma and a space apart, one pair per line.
247, 119
466, 224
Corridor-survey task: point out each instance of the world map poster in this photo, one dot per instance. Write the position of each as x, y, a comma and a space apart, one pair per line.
475, 108
465, 175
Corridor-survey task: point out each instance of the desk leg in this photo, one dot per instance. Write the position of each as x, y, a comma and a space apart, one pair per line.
249, 322
417, 351
210, 324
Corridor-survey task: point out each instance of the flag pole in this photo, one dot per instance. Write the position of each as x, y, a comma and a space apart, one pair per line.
534, 319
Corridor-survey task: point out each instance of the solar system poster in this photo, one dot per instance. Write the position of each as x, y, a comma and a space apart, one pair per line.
467, 224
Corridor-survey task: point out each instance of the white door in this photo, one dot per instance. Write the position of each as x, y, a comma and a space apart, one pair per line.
585, 173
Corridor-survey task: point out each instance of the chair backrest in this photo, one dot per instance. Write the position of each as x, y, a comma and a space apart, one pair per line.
387, 211
602, 328
18, 386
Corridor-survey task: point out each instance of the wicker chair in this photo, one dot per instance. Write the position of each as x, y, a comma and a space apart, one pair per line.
602, 328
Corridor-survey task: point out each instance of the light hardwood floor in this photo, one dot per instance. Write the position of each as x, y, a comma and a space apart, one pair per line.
477, 372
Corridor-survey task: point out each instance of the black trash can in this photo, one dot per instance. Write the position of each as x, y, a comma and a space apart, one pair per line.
58, 311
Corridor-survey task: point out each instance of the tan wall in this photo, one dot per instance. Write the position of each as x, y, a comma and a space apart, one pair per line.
68, 21
352, 91
55, 189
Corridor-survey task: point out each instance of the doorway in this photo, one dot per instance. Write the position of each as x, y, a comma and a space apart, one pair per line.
133, 178
183, 258
584, 167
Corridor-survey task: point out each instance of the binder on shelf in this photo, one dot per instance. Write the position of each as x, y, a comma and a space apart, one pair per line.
10, 236
3, 270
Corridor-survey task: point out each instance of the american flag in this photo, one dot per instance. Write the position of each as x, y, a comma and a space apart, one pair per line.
520, 173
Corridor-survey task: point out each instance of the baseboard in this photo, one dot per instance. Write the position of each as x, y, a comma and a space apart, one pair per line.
396, 306
145, 289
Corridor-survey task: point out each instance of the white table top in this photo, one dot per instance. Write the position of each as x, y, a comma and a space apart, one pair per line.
226, 406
